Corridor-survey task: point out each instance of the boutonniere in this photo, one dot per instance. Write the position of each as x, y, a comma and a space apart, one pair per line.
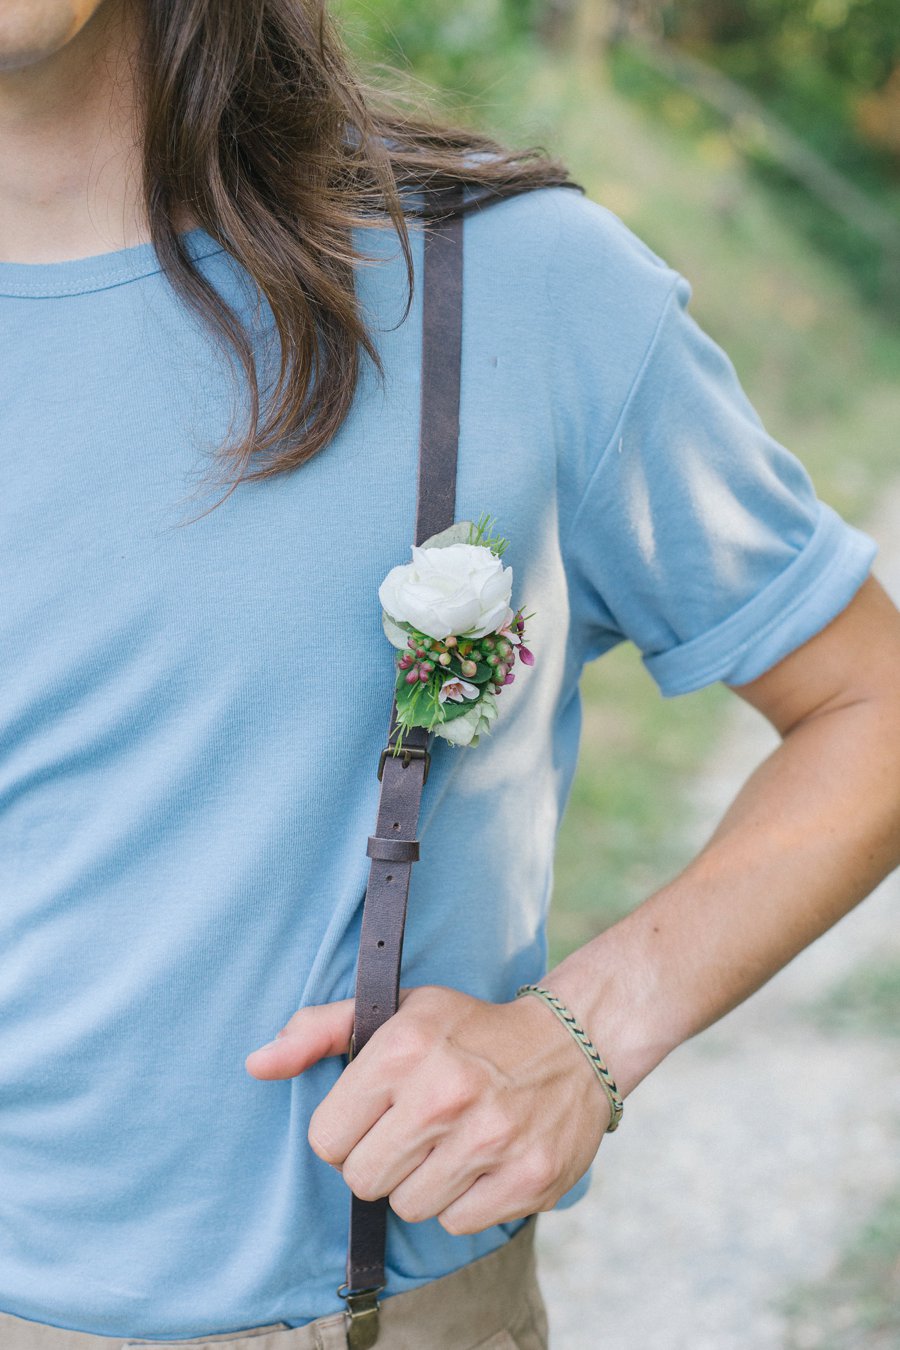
448, 613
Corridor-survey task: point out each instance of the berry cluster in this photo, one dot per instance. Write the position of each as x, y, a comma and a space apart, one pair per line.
418, 662
494, 651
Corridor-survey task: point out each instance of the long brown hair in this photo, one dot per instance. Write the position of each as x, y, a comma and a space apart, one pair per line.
256, 123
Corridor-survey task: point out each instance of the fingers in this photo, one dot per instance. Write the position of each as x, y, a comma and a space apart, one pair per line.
310, 1035
491, 1199
368, 1087
392, 1149
442, 1178
454, 1109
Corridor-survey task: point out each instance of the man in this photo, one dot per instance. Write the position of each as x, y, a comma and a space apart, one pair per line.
195, 701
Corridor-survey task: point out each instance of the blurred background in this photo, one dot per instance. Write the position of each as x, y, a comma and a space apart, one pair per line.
755, 145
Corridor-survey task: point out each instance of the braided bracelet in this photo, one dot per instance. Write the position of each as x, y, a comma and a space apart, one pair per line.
585, 1044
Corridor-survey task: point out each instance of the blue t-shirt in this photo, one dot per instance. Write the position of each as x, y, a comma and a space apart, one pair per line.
194, 705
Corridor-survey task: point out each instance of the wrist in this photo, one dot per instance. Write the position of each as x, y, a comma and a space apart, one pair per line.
616, 996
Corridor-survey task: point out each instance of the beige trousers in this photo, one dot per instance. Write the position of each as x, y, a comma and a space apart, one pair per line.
492, 1304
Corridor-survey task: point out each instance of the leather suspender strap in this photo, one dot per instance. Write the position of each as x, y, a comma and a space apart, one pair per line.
394, 848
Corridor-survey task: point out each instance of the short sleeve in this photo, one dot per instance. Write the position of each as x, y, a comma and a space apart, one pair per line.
698, 536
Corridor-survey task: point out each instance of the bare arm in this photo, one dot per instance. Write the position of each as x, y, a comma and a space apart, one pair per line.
813, 830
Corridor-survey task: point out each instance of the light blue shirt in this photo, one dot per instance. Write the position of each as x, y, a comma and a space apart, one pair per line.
192, 715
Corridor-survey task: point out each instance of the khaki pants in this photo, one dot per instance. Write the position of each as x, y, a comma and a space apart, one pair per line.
492, 1304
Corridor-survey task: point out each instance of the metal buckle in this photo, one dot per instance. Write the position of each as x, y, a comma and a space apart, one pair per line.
407, 753
362, 1315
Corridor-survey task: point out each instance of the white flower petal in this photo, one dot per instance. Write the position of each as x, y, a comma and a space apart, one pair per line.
453, 587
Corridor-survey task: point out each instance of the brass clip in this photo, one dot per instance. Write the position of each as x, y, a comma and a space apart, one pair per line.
362, 1316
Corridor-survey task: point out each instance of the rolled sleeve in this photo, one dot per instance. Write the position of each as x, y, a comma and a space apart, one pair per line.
700, 537
798, 603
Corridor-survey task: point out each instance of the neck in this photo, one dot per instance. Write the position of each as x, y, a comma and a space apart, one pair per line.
70, 182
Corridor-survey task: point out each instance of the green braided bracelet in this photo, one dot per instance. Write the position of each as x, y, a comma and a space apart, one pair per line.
585, 1044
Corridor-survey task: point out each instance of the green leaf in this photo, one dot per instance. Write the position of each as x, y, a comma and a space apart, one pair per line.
453, 710
454, 534
395, 633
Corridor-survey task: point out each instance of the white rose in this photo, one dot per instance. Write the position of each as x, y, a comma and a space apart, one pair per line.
462, 589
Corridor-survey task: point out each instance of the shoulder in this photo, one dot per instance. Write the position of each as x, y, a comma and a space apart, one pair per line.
576, 299
584, 294
583, 254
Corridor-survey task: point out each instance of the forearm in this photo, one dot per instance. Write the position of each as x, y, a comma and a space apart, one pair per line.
812, 832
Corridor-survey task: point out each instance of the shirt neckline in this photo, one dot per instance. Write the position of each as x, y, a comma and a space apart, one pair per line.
79, 276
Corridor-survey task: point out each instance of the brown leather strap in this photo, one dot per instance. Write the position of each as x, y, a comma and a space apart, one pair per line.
393, 848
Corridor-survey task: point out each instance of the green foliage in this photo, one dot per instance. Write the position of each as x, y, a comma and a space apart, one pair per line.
481, 533
824, 69
797, 43
449, 43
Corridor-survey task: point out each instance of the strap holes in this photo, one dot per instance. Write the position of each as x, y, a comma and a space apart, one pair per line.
375, 1007
396, 825
380, 942
389, 877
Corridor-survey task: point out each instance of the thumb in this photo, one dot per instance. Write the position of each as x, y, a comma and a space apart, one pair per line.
311, 1034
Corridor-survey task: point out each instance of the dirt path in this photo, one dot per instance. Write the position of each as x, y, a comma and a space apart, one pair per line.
748, 1157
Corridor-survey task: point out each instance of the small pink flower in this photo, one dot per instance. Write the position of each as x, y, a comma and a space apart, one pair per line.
506, 629
525, 656
457, 689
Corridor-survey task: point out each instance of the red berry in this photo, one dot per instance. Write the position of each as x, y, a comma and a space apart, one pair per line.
412, 677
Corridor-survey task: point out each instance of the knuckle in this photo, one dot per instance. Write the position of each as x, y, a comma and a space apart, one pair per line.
456, 1091
495, 1132
408, 1209
361, 1182
322, 1143
457, 1225
407, 1045
538, 1170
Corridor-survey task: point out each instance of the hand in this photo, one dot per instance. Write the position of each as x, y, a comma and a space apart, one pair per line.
476, 1113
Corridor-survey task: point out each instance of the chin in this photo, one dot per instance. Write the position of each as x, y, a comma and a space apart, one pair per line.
31, 30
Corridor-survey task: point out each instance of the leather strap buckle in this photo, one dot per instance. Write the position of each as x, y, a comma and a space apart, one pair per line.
407, 754
362, 1315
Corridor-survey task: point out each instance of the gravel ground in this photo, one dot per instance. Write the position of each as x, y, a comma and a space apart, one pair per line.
751, 1155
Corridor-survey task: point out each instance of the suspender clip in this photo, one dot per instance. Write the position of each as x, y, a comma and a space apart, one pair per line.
362, 1316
